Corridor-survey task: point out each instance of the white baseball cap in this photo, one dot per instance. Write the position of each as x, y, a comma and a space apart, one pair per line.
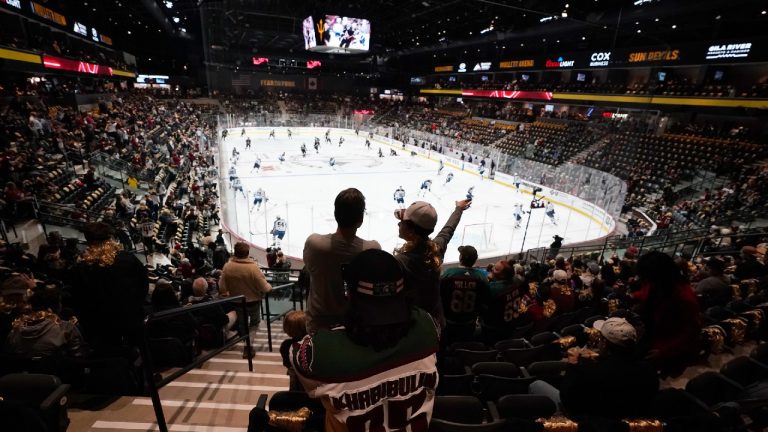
421, 214
617, 331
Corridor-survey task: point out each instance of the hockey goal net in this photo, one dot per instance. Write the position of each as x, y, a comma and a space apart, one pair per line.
479, 235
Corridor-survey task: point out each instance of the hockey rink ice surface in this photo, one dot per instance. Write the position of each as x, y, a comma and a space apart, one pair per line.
301, 190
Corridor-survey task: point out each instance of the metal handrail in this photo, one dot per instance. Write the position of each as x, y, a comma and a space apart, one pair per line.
269, 317
659, 241
146, 355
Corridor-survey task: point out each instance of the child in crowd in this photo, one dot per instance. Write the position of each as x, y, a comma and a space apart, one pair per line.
295, 326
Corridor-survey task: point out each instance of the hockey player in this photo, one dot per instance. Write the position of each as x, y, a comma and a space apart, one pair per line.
341, 141
549, 210
328, 136
426, 186
258, 198
290, 134
481, 171
224, 133
256, 165
303, 150
232, 175
272, 134
278, 231
518, 212
399, 197
317, 145
281, 158
381, 153
470, 193
332, 163
242, 133
448, 178
370, 135
440, 169
237, 185
248, 143
516, 182
368, 144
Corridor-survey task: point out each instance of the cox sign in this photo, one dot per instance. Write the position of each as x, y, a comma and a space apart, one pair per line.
599, 59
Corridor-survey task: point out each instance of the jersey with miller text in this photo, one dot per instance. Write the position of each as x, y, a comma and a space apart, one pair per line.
364, 390
464, 291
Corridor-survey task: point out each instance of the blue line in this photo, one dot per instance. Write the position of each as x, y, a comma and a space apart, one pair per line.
333, 173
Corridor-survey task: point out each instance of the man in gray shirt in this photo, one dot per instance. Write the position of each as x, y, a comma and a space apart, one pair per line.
324, 255
716, 288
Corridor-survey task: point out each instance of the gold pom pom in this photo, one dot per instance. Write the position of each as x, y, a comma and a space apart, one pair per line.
292, 421
558, 424
644, 425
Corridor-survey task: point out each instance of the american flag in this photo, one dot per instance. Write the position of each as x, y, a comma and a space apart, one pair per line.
242, 80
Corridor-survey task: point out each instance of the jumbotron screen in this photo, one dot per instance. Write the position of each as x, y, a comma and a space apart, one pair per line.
337, 34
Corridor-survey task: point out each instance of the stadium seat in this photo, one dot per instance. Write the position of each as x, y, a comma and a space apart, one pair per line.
526, 406
45, 395
502, 369
544, 338
713, 388
760, 353
511, 343
550, 371
745, 370
470, 357
455, 385
459, 409
525, 356
577, 331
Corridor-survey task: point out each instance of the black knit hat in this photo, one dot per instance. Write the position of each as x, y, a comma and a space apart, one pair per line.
376, 287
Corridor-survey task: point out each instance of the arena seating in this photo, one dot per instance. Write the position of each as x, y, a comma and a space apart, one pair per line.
672, 87
496, 372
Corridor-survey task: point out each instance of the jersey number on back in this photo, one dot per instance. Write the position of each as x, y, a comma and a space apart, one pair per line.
463, 301
400, 416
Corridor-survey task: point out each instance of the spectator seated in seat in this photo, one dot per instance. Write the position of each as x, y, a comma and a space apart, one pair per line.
380, 368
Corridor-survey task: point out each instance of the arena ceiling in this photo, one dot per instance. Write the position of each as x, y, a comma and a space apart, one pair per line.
402, 27
444, 29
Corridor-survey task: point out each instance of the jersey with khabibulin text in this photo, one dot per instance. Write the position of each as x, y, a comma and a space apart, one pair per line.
365, 390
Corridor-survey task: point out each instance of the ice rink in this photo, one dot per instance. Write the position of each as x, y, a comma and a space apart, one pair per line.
301, 190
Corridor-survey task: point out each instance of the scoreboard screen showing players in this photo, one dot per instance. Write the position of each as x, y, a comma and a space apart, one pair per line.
338, 34
308, 29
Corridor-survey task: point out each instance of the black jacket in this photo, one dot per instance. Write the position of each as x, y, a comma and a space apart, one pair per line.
109, 301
